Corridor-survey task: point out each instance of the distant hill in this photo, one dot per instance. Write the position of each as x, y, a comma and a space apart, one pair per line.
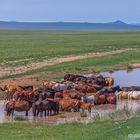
118, 22
111, 26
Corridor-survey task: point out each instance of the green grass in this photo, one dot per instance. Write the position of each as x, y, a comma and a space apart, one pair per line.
111, 62
103, 130
27, 46
19, 45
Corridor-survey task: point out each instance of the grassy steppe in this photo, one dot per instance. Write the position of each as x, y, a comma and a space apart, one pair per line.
24, 47
107, 130
111, 62
18, 45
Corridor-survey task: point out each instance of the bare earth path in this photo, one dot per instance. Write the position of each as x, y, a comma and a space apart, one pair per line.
45, 63
31, 80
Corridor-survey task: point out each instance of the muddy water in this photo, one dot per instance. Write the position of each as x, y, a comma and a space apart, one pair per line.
100, 110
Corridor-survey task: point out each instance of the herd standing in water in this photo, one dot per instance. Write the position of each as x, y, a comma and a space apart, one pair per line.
75, 92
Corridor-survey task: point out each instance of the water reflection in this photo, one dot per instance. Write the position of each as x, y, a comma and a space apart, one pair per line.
124, 77
101, 110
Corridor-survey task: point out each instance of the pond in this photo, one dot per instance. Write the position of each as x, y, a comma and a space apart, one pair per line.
124, 77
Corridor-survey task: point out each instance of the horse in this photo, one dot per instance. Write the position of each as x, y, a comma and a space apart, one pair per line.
109, 81
85, 106
111, 99
47, 106
135, 95
69, 104
18, 106
89, 99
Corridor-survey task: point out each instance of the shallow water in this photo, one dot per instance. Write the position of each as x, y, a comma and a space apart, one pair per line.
124, 77
101, 110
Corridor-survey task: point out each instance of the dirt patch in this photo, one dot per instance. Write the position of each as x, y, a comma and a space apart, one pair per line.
24, 80
32, 66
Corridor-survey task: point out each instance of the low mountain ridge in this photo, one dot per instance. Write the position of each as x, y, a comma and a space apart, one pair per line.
76, 26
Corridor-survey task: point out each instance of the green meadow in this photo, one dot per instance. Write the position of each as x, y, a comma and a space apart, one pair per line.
23, 47
106, 130
20, 45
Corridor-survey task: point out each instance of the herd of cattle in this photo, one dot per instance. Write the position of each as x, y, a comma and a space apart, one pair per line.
75, 92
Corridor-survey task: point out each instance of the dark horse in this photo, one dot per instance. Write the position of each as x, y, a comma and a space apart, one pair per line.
49, 107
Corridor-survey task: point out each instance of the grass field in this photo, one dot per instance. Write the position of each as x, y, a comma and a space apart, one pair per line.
105, 63
19, 45
106, 130
23, 47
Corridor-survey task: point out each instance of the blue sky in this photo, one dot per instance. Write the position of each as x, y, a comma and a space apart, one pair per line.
70, 10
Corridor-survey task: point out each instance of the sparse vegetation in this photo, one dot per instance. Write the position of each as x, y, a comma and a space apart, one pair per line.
20, 118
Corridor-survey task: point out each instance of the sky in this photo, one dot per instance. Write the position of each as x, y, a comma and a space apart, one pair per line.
70, 10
